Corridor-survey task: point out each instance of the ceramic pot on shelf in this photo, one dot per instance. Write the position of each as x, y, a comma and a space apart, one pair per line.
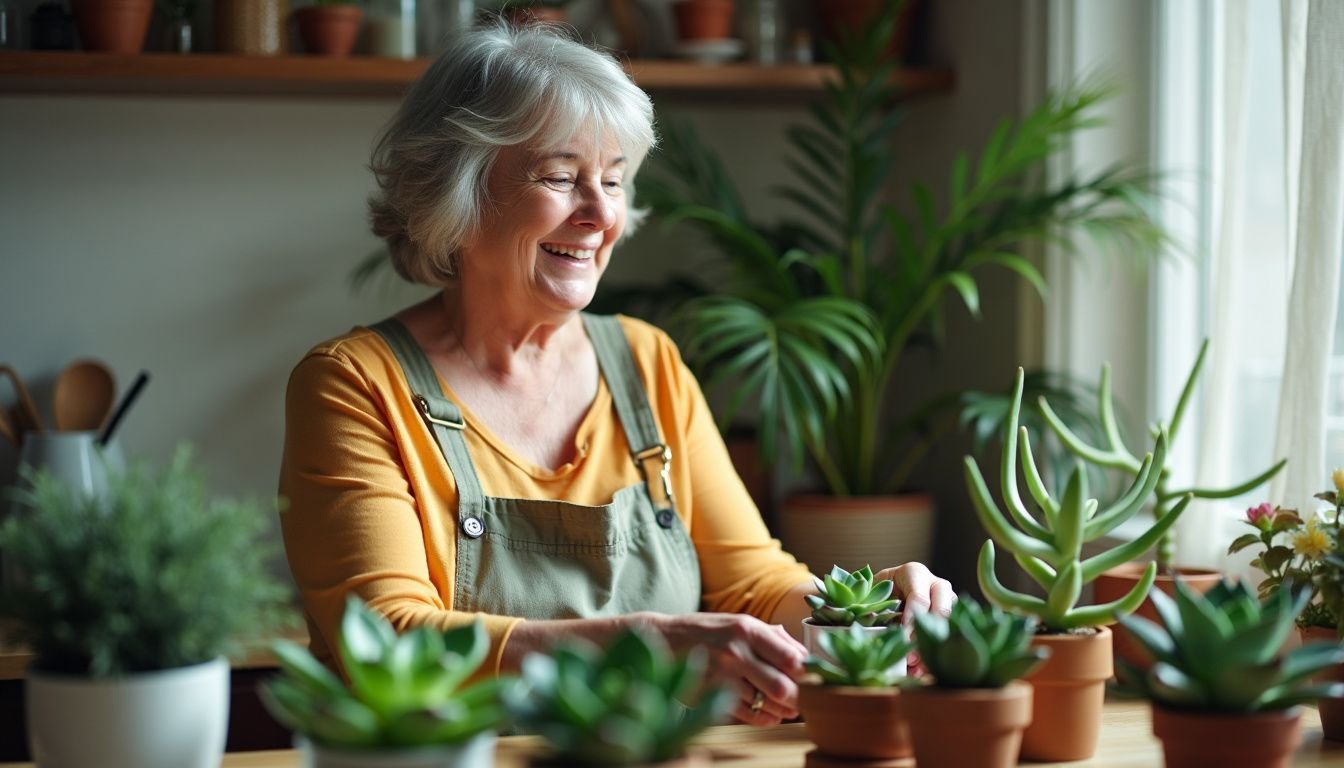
329, 30
704, 19
113, 26
251, 27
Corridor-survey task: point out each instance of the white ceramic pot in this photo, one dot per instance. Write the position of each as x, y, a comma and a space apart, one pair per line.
173, 718
477, 753
811, 633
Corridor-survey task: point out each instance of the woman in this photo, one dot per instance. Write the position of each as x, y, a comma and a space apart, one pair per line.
492, 452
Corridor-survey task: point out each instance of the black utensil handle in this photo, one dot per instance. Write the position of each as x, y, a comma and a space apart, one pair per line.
126, 401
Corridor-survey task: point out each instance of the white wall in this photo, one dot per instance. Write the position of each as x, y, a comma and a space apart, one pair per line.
208, 240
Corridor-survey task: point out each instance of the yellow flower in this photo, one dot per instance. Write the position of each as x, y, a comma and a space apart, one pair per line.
1338, 477
1311, 541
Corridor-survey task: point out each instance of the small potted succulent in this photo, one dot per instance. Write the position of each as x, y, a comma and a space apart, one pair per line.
851, 702
1069, 688
974, 709
130, 599
618, 706
847, 599
330, 27
408, 701
1222, 692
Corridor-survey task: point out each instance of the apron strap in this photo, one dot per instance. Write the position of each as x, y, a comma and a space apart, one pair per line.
647, 448
443, 419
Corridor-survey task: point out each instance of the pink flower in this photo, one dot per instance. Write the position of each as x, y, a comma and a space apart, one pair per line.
1263, 512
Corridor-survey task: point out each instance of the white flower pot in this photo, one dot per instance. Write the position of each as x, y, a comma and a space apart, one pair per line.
477, 753
811, 633
174, 718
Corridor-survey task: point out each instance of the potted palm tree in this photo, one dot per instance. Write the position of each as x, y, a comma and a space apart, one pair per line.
813, 321
130, 599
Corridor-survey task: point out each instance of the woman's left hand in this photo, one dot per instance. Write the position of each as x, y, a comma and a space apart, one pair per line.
919, 591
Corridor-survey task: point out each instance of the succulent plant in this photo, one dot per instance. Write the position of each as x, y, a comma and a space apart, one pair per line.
976, 647
846, 598
1049, 548
861, 658
1219, 652
1117, 456
404, 691
616, 706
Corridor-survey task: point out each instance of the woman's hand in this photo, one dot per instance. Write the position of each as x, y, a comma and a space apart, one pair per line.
919, 591
746, 655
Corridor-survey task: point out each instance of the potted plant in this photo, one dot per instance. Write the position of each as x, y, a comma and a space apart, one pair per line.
1222, 692
811, 319
1312, 560
1115, 455
408, 702
974, 709
845, 600
1068, 689
851, 702
617, 706
113, 26
130, 600
330, 27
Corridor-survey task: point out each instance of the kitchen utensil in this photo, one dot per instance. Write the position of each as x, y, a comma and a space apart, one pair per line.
127, 400
83, 395
27, 417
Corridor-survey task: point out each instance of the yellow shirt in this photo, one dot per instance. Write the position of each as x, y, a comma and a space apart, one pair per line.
371, 505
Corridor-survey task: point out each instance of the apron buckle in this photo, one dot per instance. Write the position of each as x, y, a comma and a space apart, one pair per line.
423, 405
660, 450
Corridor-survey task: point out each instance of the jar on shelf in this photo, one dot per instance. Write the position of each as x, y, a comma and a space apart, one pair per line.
10, 11
392, 28
251, 27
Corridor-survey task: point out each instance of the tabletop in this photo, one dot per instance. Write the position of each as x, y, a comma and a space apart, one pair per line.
1126, 742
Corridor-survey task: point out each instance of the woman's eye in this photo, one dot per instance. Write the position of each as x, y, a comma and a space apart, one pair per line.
559, 181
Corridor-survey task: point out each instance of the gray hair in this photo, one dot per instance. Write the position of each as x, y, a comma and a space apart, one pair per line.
493, 87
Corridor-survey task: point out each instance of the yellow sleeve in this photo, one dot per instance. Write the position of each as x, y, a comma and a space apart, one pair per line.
352, 523
742, 569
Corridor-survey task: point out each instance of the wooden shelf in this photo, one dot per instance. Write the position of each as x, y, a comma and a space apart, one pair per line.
65, 72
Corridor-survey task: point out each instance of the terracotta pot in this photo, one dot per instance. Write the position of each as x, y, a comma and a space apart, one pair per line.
1117, 582
1332, 710
956, 727
113, 26
695, 758
838, 18
1067, 694
329, 30
854, 723
880, 531
1197, 739
704, 19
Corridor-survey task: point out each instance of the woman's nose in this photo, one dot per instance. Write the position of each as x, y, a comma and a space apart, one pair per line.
596, 209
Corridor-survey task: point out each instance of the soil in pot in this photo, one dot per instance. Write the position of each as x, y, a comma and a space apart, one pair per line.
1117, 582
1067, 693
1197, 739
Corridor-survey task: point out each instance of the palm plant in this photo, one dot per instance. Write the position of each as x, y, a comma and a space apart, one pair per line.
815, 322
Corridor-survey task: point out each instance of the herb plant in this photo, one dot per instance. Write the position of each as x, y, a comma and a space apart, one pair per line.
976, 647
1219, 652
151, 574
1049, 547
404, 691
861, 659
617, 706
852, 598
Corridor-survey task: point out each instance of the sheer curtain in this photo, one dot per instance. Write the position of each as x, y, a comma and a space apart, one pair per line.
1275, 239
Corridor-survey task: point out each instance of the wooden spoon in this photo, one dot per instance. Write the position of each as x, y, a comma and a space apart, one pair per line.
83, 395
25, 416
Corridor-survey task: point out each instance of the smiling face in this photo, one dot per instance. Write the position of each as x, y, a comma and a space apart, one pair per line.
547, 233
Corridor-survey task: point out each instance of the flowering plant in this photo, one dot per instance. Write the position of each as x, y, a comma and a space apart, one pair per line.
1311, 556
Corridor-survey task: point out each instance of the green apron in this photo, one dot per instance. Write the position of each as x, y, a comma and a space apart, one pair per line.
548, 559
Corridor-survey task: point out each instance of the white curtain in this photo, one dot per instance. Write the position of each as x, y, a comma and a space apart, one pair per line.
1266, 272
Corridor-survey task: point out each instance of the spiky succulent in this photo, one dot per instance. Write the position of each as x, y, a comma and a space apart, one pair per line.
976, 647
404, 691
1219, 652
866, 659
1049, 547
616, 706
846, 598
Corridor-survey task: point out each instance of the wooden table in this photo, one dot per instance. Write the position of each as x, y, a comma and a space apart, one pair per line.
1126, 742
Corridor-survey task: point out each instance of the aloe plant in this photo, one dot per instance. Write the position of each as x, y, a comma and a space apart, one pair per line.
404, 691
1049, 547
1116, 455
861, 658
975, 646
619, 705
853, 598
1219, 652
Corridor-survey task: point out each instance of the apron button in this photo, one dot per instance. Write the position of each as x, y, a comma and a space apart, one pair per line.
665, 517
473, 527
